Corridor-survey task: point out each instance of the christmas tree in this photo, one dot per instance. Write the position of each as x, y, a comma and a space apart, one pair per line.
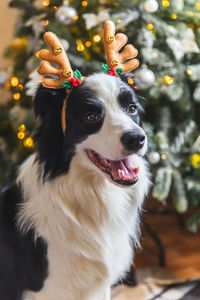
167, 35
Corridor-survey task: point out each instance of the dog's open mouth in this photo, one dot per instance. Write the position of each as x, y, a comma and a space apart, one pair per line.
121, 171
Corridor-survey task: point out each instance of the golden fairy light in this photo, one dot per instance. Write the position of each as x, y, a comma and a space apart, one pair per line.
195, 160
16, 96
20, 87
37, 53
198, 5
150, 26
174, 16
80, 47
7, 85
46, 2
84, 3
14, 81
163, 156
97, 38
28, 142
130, 81
22, 127
76, 17
168, 80
88, 44
46, 22
21, 135
166, 3
189, 72
191, 13
54, 8
171, 171
119, 21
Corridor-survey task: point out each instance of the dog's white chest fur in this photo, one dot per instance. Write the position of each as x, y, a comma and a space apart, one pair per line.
88, 224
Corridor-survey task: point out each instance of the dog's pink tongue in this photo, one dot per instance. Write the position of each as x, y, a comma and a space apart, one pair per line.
123, 169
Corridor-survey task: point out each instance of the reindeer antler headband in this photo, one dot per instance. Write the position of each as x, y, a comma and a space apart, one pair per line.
118, 63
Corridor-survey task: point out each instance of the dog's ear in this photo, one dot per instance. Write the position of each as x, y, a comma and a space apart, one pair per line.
49, 135
48, 100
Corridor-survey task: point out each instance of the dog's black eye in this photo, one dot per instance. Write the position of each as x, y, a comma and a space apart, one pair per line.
91, 117
131, 109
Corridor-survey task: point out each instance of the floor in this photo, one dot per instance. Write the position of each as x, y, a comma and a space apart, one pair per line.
182, 247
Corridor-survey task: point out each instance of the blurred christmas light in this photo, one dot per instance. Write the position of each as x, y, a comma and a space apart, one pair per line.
76, 17
20, 87
16, 96
189, 72
28, 142
168, 80
22, 127
97, 38
166, 3
130, 81
14, 81
171, 171
54, 8
150, 26
163, 156
191, 13
84, 3
195, 160
80, 47
7, 85
37, 53
119, 21
174, 16
46, 22
46, 2
21, 135
198, 5
88, 44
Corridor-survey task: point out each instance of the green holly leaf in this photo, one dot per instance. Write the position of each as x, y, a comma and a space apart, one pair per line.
67, 85
77, 74
105, 68
119, 71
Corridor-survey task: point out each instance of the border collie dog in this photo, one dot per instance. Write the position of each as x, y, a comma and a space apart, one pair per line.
69, 223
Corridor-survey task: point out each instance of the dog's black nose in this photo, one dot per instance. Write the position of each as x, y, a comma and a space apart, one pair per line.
133, 140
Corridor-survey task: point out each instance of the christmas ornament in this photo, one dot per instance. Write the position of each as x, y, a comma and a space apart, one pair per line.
92, 20
154, 157
151, 6
65, 14
144, 78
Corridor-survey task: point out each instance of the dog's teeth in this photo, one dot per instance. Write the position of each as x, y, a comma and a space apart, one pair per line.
120, 173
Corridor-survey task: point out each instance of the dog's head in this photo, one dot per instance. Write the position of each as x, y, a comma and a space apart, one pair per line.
103, 125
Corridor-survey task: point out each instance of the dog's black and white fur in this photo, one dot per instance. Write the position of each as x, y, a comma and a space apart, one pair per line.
67, 227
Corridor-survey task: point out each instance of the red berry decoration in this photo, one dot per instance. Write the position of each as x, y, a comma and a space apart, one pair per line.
110, 72
78, 80
74, 84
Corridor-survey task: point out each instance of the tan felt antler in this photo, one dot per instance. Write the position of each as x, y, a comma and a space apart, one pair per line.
113, 43
58, 56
